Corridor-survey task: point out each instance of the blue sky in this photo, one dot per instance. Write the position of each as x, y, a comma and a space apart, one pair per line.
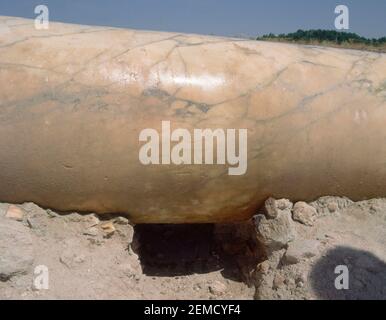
218, 17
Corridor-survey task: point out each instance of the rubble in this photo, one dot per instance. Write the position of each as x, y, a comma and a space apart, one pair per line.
273, 256
304, 213
300, 249
275, 233
108, 228
15, 213
217, 288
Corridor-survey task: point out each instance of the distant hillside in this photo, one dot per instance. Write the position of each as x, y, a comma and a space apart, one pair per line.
329, 38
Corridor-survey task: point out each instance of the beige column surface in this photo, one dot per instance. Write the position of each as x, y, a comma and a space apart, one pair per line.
74, 99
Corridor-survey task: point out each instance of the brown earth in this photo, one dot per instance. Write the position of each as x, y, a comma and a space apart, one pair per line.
286, 252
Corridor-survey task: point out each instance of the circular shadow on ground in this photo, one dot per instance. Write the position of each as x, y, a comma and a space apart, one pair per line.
366, 275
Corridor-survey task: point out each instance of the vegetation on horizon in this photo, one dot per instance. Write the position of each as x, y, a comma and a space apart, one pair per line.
329, 38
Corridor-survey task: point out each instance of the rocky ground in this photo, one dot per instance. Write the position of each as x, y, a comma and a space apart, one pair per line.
286, 251
307, 243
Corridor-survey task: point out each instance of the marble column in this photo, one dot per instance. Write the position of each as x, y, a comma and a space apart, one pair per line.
74, 100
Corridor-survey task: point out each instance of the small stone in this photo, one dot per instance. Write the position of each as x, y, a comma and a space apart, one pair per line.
126, 232
217, 288
121, 220
108, 229
301, 249
275, 233
52, 214
31, 223
91, 220
284, 204
332, 207
270, 208
264, 267
93, 232
278, 281
304, 213
300, 280
15, 213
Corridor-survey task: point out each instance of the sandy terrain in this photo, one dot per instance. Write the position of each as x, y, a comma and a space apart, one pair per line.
285, 252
